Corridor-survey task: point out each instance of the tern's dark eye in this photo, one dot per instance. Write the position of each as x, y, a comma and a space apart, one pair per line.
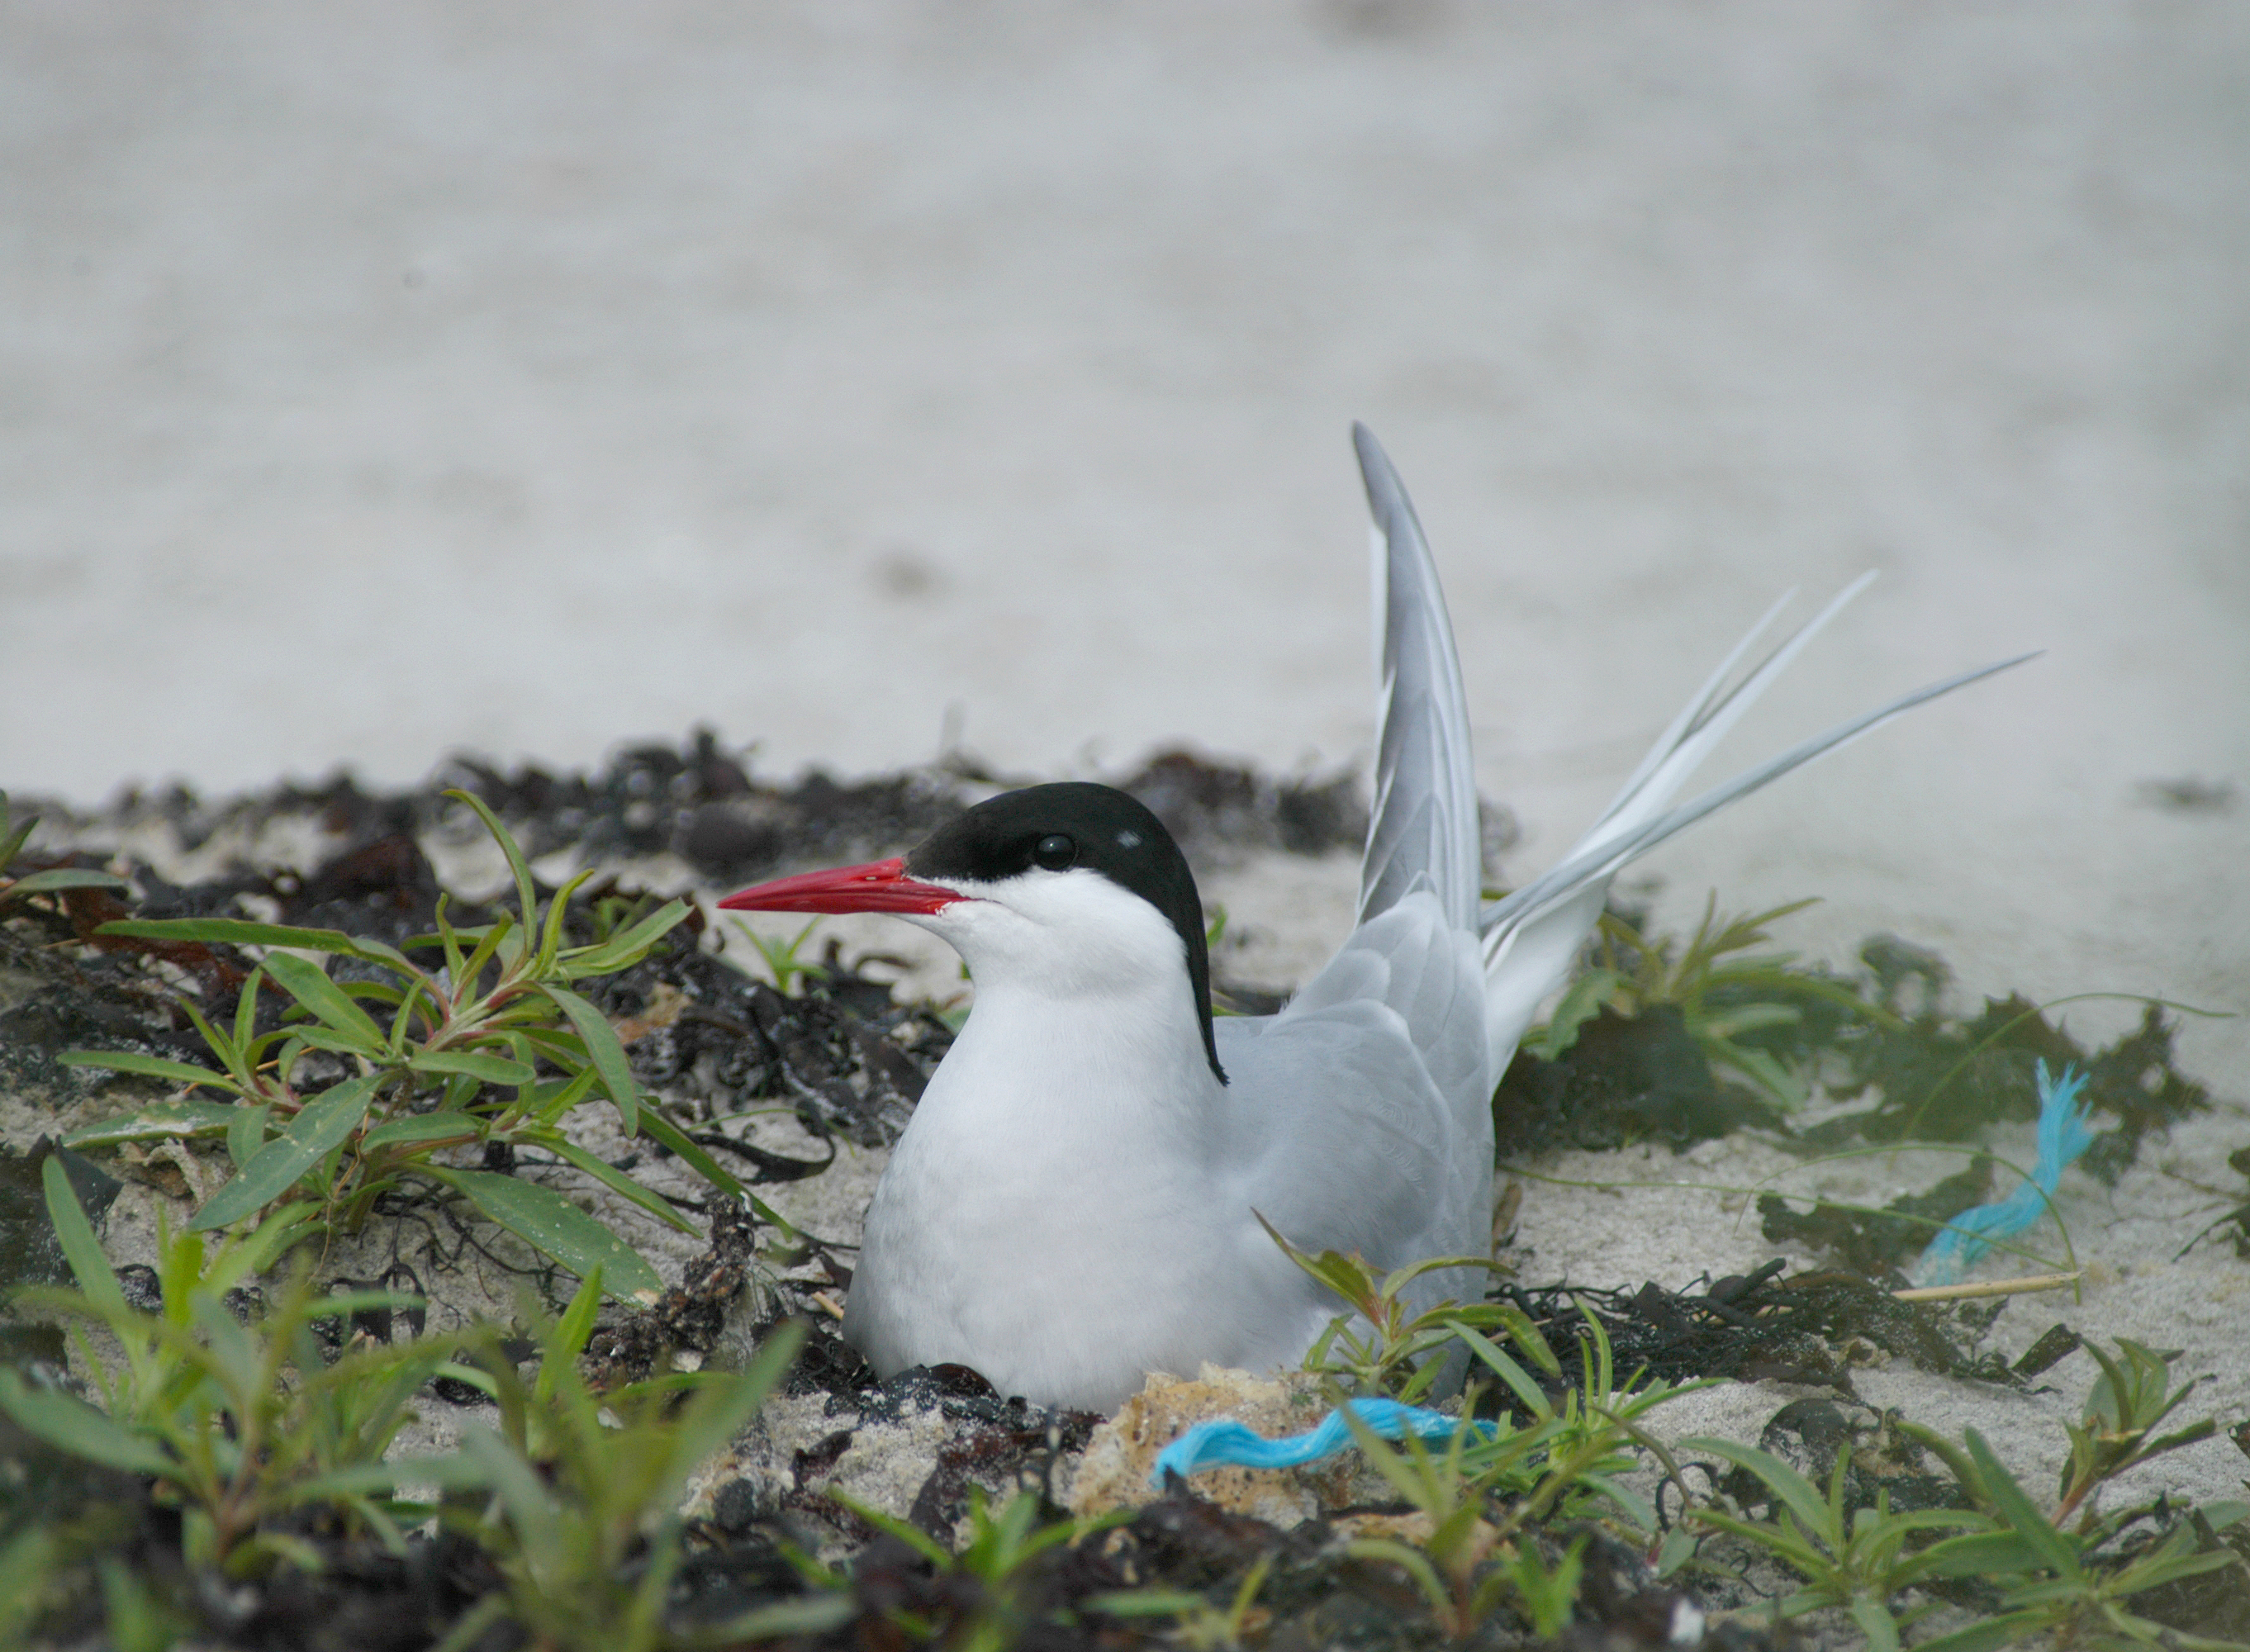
1054, 851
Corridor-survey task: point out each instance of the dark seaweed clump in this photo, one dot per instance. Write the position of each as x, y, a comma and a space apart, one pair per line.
702, 802
1812, 1329
1936, 1076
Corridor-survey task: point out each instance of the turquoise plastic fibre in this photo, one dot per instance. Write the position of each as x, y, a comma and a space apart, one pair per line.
1224, 1444
2062, 1136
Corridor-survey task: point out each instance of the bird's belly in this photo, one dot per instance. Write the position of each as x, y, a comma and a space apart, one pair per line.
1066, 1277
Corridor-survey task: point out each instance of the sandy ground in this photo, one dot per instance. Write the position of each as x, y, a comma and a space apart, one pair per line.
380, 381
383, 380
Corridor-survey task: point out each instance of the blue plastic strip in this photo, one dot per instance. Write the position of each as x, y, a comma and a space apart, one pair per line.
1224, 1444
2063, 1135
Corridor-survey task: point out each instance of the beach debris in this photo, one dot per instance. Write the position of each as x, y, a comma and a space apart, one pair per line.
2063, 1136
1227, 1443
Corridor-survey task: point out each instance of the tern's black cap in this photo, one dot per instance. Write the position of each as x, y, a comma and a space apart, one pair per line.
1076, 823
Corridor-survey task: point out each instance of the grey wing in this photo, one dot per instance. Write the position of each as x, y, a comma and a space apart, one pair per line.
1424, 823
1359, 1116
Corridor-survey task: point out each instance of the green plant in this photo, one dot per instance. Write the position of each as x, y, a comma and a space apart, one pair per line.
2128, 1400
1852, 1558
1446, 1565
452, 1055
241, 1423
27, 1564
1491, 1485
2060, 1584
1546, 1597
52, 880
781, 960
997, 1559
1720, 998
580, 1513
1197, 1622
2073, 1586
1392, 1350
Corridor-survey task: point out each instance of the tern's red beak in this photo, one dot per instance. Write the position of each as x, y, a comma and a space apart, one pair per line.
880, 885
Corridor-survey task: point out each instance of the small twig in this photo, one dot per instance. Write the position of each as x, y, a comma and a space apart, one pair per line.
828, 1305
2023, 1287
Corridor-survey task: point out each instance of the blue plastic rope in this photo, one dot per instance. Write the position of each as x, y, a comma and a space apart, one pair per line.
1224, 1444
2062, 1136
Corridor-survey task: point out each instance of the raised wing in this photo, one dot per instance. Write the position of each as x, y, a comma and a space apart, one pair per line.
1424, 825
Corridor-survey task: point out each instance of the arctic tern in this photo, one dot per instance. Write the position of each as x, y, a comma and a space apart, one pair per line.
1076, 1201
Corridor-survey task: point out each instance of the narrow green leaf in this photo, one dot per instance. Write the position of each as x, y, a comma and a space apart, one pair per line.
2220, 1516
1988, 1635
2055, 1551
421, 1127
626, 946
611, 1177
359, 1301
1518, 1379
551, 936
526, 893
314, 1036
488, 939
1413, 1562
669, 1136
322, 1123
245, 1133
1636, 1508
309, 984
570, 1333
492, 1069
553, 1225
242, 932
1797, 1493
159, 1121
77, 1427
604, 1050
245, 1008
532, 1508
450, 1473
913, 1536
147, 1066
80, 1248
229, 1052
2154, 1574
402, 1019
551, 1101
289, 1226
810, 1616
1678, 1549
1876, 1623
63, 877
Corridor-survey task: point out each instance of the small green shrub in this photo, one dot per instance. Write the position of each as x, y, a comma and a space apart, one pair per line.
491, 1047
242, 1423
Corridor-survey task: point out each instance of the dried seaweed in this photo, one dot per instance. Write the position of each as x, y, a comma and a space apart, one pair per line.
1878, 1243
1760, 1327
1625, 1080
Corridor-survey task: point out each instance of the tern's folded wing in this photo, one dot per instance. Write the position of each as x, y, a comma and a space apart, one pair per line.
1359, 1117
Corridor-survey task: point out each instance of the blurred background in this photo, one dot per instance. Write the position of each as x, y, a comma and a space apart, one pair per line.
380, 381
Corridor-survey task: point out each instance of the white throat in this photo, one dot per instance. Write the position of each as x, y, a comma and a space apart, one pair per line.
1085, 1022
